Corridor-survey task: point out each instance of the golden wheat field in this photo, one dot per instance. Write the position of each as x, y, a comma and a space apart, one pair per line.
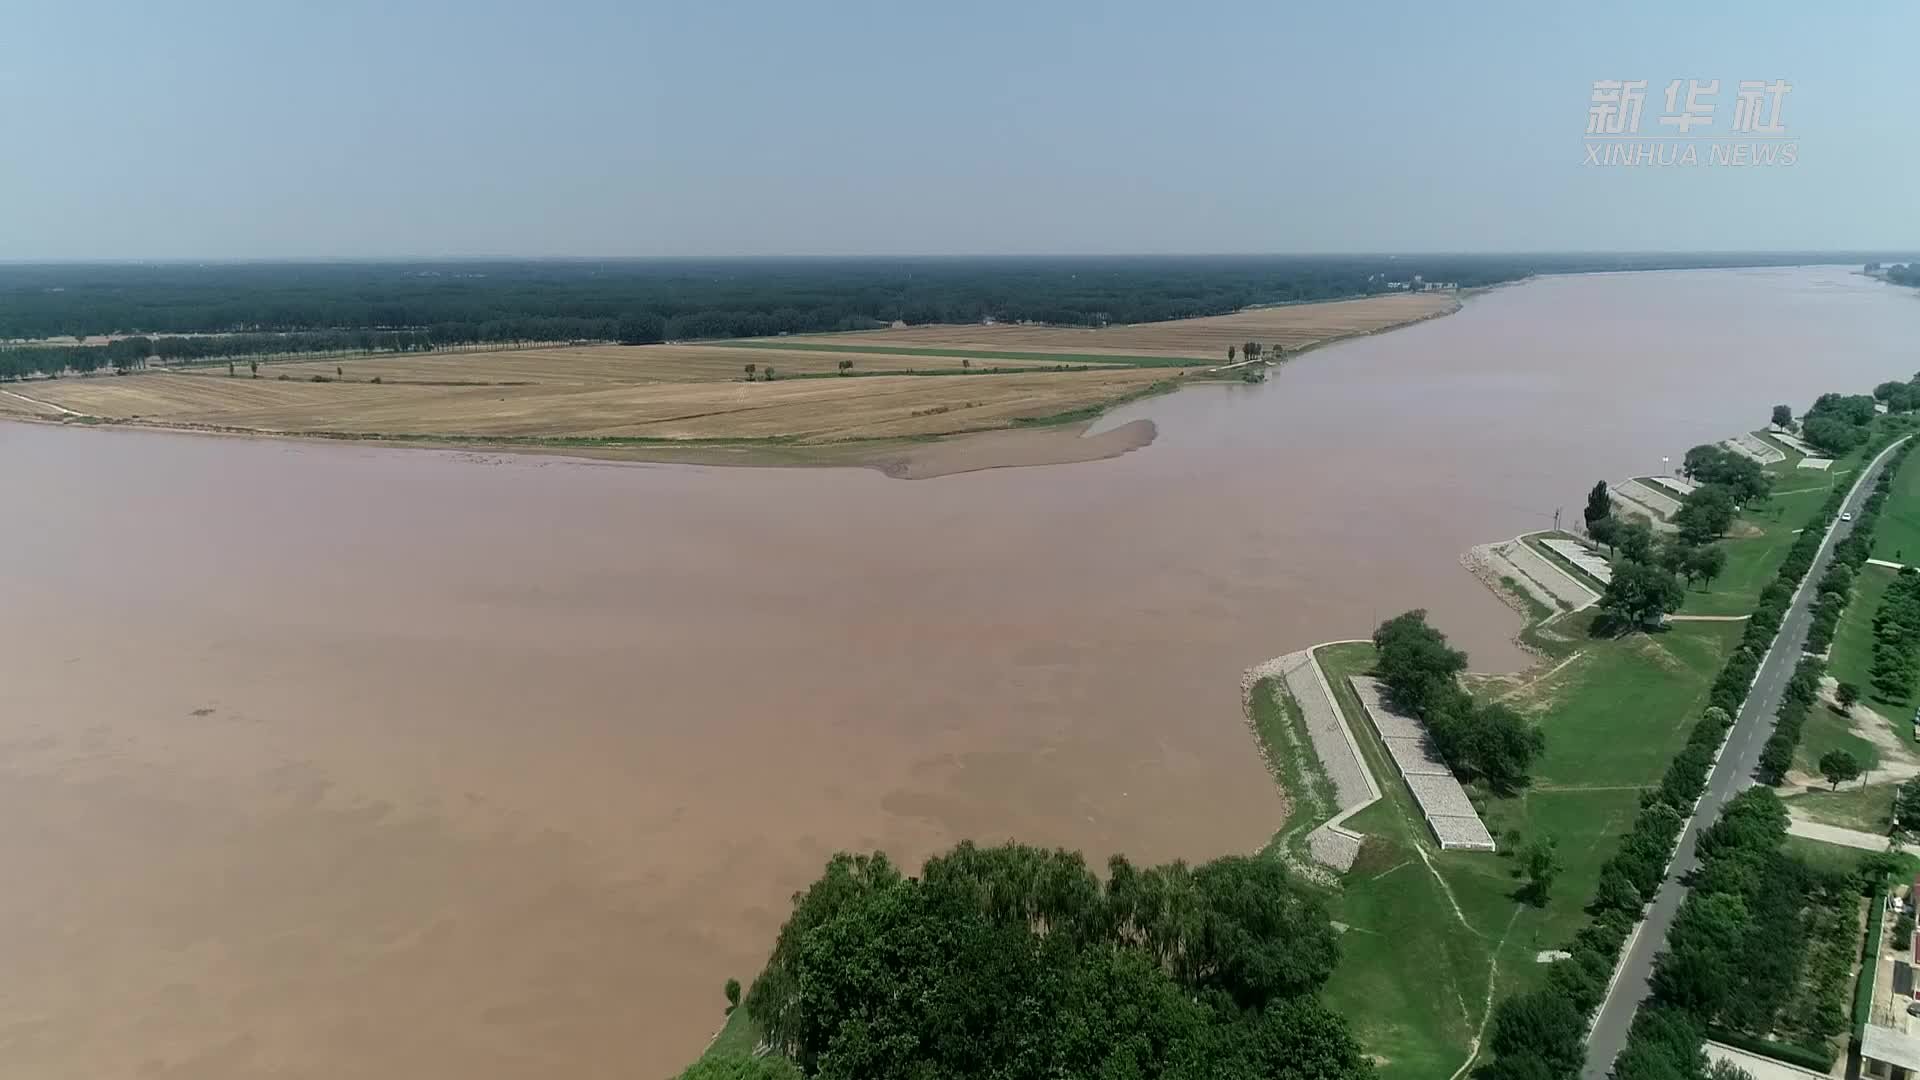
811, 410
1204, 339
600, 365
693, 392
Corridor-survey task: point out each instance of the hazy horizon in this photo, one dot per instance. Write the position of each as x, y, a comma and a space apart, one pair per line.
1835, 254
220, 131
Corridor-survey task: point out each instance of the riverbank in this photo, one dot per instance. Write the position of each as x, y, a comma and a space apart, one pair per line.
1614, 710
1063, 442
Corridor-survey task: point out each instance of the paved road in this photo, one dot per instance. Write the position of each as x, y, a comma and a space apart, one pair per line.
1734, 774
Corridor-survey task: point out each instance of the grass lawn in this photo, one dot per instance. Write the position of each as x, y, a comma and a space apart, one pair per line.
1897, 537
1413, 976
739, 1036
1852, 657
1868, 808
1618, 713
1827, 730
1614, 716
1824, 856
1753, 560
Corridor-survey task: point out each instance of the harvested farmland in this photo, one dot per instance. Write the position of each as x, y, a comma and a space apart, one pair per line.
605, 365
860, 398
1293, 326
804, 410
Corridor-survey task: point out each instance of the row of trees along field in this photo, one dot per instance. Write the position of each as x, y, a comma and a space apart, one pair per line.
1484, 741
1833, 593
642, 301
128, 354
1541, 1034
1761, 953
1896, 638
1016, 961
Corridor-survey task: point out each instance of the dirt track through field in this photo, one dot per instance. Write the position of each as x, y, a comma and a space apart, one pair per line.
1292, 326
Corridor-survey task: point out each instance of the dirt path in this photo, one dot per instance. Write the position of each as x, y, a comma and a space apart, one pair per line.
1798, 824
1898, 761
1486, 1007
37, 403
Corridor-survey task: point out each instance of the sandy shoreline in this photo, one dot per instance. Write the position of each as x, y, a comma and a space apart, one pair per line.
948, 455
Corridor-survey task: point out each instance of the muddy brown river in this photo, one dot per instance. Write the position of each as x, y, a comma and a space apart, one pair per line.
323, 761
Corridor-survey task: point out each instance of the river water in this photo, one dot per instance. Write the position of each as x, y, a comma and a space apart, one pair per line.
328, 761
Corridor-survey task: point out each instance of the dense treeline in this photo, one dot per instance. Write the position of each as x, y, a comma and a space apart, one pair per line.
1485, 741
1896, 638
1837, 422
124, 354
1541, 1034
1907, 274
1015, 961
562, 300
1762, 947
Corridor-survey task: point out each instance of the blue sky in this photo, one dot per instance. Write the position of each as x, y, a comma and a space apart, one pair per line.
268, 129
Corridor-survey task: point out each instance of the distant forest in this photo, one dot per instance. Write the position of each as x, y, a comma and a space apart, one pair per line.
250, 309
1908, 274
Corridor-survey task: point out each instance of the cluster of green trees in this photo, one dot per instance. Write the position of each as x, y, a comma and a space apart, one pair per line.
1764, 944
1743, 478
1900, 273
1896, 637
124, 354
1016, 961
1254, 350
1838, 422
1487, 741
1648, 574
1899, 397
